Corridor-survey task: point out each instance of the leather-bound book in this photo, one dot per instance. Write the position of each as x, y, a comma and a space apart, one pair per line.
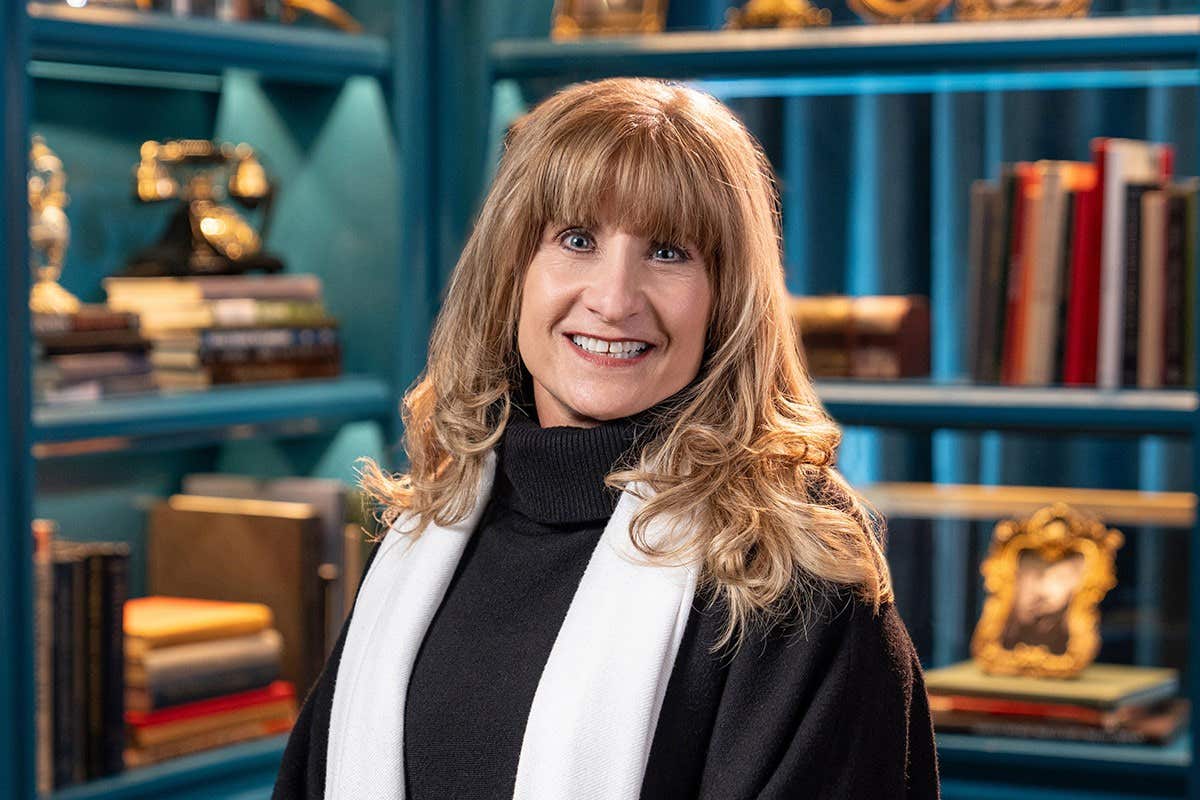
255, 551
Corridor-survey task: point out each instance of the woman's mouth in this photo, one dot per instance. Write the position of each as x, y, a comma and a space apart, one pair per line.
609, 353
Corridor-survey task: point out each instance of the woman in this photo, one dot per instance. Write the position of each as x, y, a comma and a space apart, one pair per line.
622, 563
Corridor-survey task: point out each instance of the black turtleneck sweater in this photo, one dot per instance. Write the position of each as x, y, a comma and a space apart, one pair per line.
476, 672
835, 712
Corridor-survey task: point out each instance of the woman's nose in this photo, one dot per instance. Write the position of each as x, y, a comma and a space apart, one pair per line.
615, 292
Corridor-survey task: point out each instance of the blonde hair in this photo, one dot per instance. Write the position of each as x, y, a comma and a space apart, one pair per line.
748, 451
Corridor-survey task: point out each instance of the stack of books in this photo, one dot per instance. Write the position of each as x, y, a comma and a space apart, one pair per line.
201, 674
80, 590
232, 329
1111, 703
873, 338
89, 354
1082, 273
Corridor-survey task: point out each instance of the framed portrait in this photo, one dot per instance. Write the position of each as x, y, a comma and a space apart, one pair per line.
1020, 9
574, 18
1045, 577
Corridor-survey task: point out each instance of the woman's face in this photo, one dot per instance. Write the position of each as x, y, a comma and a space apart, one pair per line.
610, 323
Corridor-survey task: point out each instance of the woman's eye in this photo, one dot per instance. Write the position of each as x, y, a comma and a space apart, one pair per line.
576, 240
668, 252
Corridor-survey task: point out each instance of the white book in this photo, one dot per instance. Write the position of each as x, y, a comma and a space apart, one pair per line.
1127, 161
1151, 287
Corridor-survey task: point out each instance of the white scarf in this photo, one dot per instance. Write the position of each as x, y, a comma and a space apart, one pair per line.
597, 703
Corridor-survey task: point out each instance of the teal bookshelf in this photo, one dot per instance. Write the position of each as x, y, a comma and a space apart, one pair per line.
342, 123
875, 133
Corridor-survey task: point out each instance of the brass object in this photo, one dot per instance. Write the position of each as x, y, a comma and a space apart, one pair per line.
206, 235
898, 10
1045, 577
973, 10
777, 14
49, 231
572, 19
325, 10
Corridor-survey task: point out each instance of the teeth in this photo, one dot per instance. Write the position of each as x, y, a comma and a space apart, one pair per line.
612, 349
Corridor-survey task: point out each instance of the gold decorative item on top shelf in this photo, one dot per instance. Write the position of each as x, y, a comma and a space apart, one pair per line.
332, 13
898, 10
205, 236
1045, 577
572, 19
49, 231
972, 10
777, 14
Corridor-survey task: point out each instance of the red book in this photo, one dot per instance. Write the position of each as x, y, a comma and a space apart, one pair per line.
279, 690
1083, 309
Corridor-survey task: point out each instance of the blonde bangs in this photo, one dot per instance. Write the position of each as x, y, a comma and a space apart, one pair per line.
643, 173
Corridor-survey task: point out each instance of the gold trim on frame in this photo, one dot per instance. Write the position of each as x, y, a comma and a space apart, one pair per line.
1053, 532
975, 10
898, 10
567, 23
777, 14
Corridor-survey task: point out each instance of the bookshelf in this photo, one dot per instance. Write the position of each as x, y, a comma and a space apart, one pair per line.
339, 121
876, 133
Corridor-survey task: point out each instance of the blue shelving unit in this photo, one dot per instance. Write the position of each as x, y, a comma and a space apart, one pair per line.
342, 122
823, 103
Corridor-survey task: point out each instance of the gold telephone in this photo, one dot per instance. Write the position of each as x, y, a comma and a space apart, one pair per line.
204, 236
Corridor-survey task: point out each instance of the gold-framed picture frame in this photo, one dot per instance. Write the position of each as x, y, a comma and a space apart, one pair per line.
978, 10
1045, 577
903, 11
572, 19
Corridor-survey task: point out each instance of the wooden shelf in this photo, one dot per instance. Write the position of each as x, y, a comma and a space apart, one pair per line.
923, 404
123, 423
106, 37
948, 45
975, 502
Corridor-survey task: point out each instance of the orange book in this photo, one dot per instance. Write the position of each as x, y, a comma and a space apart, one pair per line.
158, 621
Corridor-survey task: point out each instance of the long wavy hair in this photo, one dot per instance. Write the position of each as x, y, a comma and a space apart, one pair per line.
748, 451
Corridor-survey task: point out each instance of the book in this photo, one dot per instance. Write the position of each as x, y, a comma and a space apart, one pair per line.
1150, 368
189, 688
241, 732
1155, 728
1131, 293
106, 588
1126, 161
73, 342
69, 682
89, 317
162, 621
161, 667
873, 337
1103, 686
1033, 710
44, 532
254, 551
1046, 276
327, 496
177, 722
1083, 302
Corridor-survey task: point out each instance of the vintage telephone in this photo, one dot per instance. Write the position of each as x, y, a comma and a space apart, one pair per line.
204, 236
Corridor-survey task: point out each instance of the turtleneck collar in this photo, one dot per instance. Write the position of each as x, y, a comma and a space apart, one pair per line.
557, 474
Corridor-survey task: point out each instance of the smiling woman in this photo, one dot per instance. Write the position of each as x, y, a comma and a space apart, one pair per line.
611, 322
622, 562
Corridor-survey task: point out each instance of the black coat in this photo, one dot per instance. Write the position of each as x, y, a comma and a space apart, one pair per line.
838, 712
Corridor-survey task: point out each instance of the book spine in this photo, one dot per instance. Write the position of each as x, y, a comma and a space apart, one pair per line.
241, 355
1174, 315
213, 684
1036, 730
112, 750
274, 371
44, 622
64, 628
1130, 313
96, 665
1066, 258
